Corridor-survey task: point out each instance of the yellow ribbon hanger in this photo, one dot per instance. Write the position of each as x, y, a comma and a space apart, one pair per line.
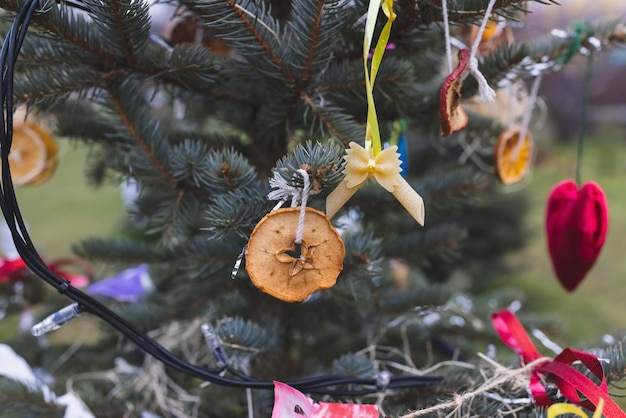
372, 161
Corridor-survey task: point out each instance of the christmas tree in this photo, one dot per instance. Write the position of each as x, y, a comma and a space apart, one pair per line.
219, 113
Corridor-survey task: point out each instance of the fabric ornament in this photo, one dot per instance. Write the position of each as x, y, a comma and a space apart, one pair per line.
576, 227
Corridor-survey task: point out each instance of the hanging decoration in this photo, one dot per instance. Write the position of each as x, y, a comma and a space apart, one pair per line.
451, 114
363, 163
513, 155
559, 371
577, 215
291, 403
291, 271
34, 154
576, 226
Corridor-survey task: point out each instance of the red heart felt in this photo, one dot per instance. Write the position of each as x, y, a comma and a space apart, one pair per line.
576, 225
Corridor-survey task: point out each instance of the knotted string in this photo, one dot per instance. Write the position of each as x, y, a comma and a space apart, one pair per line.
485, 92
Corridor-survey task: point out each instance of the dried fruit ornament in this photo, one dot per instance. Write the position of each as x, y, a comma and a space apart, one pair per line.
513, 155
451, 114
277, 268
34, 154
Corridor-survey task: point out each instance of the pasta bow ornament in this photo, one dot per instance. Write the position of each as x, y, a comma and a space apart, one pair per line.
385, 168
372, 161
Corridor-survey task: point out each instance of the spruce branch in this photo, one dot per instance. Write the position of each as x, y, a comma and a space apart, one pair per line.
128, 104
248, 27
332, 120
309, 29
124, 23
118, 250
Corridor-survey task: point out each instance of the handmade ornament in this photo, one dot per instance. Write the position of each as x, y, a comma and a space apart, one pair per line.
576, 228
289, 271
513, 155
34, 155
371, 161
291, 403
385, 168
558, 371
451, 114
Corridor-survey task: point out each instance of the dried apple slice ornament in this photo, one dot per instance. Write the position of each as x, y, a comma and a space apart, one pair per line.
451, 114
289, 271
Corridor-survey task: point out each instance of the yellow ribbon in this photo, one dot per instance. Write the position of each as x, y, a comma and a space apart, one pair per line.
372, 161
372, 132
567, 408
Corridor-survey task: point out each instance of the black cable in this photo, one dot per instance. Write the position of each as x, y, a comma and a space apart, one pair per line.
25, 247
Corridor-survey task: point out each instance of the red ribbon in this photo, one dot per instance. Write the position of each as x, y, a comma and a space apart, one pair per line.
559, 371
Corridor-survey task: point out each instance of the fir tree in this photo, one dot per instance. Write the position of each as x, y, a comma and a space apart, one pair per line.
273, 87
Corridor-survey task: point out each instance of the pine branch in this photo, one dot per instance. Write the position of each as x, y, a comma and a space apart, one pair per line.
332, 120
322, 161
248, 27
45, 87
60, 22
124, 23
128, 103
117, 251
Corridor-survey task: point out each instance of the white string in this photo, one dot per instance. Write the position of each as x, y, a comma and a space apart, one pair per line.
304, 195
485, 92
529, 109
446, 29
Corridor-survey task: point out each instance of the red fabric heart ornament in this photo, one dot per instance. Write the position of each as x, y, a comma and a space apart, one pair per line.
576, 226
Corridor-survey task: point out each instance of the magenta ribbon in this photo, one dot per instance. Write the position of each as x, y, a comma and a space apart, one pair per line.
559, 371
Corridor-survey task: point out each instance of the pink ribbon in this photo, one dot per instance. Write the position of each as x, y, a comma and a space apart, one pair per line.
559, 371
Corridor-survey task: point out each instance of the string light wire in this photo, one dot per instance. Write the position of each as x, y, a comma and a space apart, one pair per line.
85, 303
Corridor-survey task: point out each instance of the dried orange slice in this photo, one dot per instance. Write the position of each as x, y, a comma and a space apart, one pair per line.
451, 115
513, 155
34, 154
276, 269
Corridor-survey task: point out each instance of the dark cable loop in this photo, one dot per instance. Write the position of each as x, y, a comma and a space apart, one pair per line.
10, 208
